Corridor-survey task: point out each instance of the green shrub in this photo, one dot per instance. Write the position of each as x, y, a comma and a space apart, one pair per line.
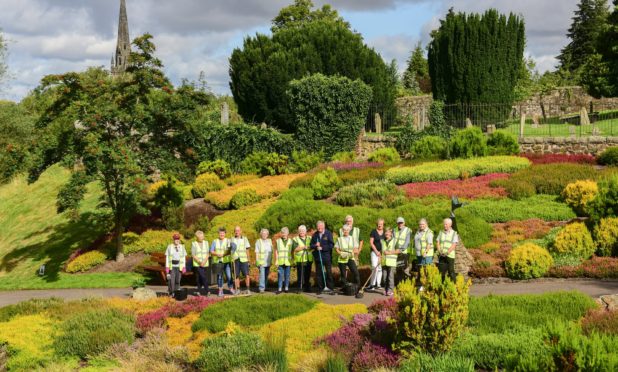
265, 164
150, 241
574, 240
29, 307
228, 351
242, 311
374, 194
219, 167
170, 193
90, 333
508, 314
606, 237
431, 320
453, 169
606, 202
468, 143
325, 183
439, 363
528, 261
244, 197
494, 351
545, 179
335, 363
386, 155
173, 217
344, 157
303, 161
333, 106
609, 156
544, 207
503, 143
202, 224
579, 193
205, 183
86, 261
429, 147
303, 182
351, 177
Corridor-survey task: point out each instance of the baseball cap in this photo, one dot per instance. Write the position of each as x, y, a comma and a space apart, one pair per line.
176, 236
401, 220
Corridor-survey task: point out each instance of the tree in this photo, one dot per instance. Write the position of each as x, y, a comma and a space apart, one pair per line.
300, 13
608, 48
587, 26
261, 70
476, 58
116, 131
3, 52
416, 77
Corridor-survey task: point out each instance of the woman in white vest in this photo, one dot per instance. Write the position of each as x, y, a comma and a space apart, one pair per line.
221, 251
303, 256
284, 259
446, 244
241, 260
175, 263
354, 232
200, 253
263, 258
347, 249
389, 258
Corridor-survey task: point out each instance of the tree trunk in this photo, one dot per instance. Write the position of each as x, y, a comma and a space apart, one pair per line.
119, 247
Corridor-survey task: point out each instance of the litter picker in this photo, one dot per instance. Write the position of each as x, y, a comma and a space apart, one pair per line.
361, 293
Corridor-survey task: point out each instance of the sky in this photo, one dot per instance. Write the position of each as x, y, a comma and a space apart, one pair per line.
193, 36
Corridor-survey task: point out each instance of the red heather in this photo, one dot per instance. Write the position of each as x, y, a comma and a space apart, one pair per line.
471, 188
339, 166
560, 158
374, 356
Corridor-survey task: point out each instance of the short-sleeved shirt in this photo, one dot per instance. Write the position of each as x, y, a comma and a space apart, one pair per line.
377, 239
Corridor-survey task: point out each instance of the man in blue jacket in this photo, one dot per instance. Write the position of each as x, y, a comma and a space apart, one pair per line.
322, 243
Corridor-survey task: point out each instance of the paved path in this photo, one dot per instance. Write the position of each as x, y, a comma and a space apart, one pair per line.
593, 288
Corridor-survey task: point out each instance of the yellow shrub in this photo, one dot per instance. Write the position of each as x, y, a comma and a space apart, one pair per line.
238, 178
265, 187
31, 338
579, 193
138, 307
606, 235
86, 262
324, 319
154, 187
205, 183
245, 218
528, 261
574, 240
149, 242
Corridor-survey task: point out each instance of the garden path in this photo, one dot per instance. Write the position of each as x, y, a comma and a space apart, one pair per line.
591, 287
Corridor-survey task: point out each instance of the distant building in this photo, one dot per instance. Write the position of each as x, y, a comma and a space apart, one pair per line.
120, 61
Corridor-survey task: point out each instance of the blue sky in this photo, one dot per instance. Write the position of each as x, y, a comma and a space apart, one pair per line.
55, 36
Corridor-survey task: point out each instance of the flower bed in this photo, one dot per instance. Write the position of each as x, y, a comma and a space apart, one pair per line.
157, 318
472, 188
596, 267
341, 166
560, 158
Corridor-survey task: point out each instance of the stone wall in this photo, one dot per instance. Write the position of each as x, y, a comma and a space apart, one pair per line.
366, 145
414, 110
562, 101
566, 145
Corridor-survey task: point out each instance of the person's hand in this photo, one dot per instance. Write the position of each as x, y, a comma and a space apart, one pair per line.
319, 248
167, 271
184, 270
317, 244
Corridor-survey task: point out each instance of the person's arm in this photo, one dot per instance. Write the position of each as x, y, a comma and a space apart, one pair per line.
213, 250
438, 243
338, 247
232, 249
454, 244
183, 260
167, 260
315, 240
406, 243
429, 242
194, 253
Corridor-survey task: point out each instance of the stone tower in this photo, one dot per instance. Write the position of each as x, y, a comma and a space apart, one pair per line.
120, 60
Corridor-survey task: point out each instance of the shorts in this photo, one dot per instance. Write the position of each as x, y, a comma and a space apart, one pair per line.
422, 261
241, 268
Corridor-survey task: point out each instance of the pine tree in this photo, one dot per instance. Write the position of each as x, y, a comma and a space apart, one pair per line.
587, 26
416, 76
608, 48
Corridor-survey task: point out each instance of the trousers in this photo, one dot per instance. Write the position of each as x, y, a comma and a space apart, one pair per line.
173, 284
202, 277
376, 267
303, 271
351, 264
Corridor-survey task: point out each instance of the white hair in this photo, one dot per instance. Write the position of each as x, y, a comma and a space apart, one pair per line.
423, 221
264, 231
320, 223
448, 221
346, 228
348, 217
285, 230
302, 228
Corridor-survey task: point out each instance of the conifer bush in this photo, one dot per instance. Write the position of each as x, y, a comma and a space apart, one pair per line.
244, 197
579, 193
574, 240
430, 321
502, 143
609, 156
265, 164
376, 194
219, 167
429, 147
325, 183
86, 261
469, 143
606, 237
205, 183
528, 261
386, 155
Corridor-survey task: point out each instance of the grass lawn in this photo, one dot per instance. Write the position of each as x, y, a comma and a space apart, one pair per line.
33, 234
606, 128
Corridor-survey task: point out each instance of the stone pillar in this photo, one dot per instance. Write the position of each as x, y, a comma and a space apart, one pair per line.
583, 117
423, 121
225, 113
378, 123
469, 123
522, 124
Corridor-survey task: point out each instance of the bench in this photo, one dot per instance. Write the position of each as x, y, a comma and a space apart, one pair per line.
159, 268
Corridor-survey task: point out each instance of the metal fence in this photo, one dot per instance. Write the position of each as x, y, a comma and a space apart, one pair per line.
534, 120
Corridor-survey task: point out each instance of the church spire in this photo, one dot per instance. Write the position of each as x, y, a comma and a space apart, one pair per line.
123, 46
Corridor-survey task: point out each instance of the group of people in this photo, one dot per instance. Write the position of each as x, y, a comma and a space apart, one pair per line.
229, 259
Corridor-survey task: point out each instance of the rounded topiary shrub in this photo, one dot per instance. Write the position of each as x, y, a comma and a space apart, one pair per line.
386, 155
92, 332
574, 240
528, 261
230, 350
219, 167
429, 147
205, 183
503, 143
609, 156
343, 157
244, 197
579, 193
469, 143
86, 261
325, 183
606, 237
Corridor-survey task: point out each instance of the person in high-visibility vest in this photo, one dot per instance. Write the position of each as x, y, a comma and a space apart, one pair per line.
241, 259
389, 260
446, 244
200, 253
347, 250
221, 251
401, 234
354, 232
263, 258
175, 263
303, 257
375, 241
284, 259
423, 244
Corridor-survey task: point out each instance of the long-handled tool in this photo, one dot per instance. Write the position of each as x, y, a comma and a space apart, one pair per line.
326, 289
302, 270
361, 293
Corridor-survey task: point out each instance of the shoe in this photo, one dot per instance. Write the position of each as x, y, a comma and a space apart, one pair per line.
286, 290
248, 292
198, 294
378, 288
221, 293
421, 289
389, 293
278, 292
319, 293
261, 291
